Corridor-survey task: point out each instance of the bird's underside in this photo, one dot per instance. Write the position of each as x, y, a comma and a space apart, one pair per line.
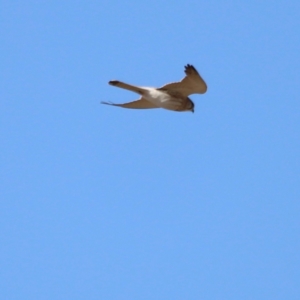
172, 96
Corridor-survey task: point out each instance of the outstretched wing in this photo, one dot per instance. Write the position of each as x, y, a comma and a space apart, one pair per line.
192, 83
138, 104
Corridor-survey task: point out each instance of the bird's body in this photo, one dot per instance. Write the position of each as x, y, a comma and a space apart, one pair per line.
172, 96
166, 100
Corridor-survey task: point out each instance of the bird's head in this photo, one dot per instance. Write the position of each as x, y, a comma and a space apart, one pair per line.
190, 105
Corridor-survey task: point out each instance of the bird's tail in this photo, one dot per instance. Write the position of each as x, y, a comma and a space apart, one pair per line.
126, 86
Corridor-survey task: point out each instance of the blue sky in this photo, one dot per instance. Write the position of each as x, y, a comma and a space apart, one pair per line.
100, 202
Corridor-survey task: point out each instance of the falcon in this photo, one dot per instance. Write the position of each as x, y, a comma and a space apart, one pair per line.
172, 96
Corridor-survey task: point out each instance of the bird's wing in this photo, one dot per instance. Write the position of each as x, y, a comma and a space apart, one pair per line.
192, 83
138, 104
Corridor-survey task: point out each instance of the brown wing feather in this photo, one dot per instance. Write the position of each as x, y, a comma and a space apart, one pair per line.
138, 104
192, 83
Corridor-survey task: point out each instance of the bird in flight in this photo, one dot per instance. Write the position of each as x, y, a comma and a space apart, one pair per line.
172, 96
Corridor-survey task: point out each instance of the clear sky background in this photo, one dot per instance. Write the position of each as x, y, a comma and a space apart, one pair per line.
100, 202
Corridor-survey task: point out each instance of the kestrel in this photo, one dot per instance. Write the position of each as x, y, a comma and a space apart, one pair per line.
172, 96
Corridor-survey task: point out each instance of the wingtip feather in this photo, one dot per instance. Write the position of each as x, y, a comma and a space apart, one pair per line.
106, 103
